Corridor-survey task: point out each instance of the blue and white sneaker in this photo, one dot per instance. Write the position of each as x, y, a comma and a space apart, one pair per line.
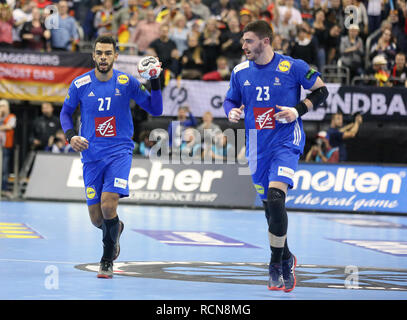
276, 281
288, 267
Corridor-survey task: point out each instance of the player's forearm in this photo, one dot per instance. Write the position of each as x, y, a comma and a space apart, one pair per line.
65, 118
154, 103
229, 105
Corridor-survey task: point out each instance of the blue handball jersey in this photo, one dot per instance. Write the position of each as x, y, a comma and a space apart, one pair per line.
106, 119
260, 88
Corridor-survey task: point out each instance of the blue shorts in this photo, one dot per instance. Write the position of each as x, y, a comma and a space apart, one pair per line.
107, 175
280, 166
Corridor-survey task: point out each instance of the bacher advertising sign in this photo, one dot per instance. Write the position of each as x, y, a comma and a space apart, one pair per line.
355, 188
150, 182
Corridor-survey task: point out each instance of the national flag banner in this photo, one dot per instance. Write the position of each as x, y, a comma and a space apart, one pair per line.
40, 76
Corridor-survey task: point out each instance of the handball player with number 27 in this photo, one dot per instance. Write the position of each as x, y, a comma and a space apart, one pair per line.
105, 136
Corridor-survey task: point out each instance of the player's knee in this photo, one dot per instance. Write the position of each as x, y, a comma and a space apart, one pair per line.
109, 208
276, 204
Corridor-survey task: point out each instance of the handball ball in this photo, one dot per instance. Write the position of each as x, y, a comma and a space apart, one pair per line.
149, 67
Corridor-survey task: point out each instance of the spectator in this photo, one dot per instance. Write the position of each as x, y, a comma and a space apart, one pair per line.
198, 8
321, 150
304, 48
66, 35
221, 149
145, 144
222, 72
58, 143
21, 15
320, 34
231, 47
307, 13
7, 125
34, 34
104, 19
179, 33
147, 31
6, 26
335, 14
379, 72
222, 7
124, 15
166, 51
184, 120
42, 4
288, 11
374, 10
44, 127
397, 19
285, 28
361, 18
352, 51
338, 133
189, 14
192, 61
210, 42
253, 6
399, 70
207, 129
191, 145
386, 46
280, 45
332, 44
246, 16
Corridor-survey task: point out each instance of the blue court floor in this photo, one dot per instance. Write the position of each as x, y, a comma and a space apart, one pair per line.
50, 250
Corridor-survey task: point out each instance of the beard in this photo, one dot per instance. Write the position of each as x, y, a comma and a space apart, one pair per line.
106, 69
256, 52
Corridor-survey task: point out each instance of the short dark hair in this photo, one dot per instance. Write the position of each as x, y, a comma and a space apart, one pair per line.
105, 39
261, 28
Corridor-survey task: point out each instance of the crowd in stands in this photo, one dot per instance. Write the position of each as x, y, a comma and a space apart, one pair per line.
201, 39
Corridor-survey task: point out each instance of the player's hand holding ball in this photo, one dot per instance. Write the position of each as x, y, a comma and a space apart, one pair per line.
149, 68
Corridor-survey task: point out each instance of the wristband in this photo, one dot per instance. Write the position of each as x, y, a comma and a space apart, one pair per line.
155, 84
69, 134
301, 108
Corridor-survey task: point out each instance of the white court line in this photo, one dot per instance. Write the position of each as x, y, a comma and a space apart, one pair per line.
39, 261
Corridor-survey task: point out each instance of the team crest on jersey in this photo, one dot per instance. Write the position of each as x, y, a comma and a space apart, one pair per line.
105, 127
82, 81
284, 66
90, 193
263, 118
123, 79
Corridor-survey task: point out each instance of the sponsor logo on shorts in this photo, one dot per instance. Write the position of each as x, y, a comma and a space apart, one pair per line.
105, 127
259, 189
285, 172
120, 183
263, 118
91, 193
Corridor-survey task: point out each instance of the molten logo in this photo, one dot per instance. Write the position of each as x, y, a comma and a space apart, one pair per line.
346, 179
